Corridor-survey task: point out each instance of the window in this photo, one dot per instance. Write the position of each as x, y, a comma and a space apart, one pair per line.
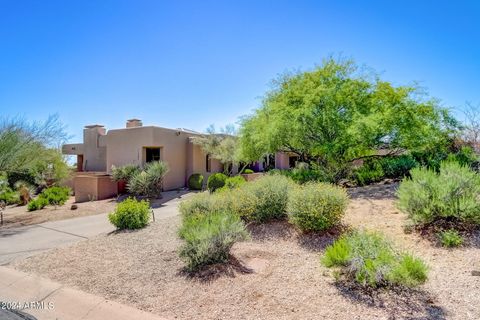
208, 163
152, 154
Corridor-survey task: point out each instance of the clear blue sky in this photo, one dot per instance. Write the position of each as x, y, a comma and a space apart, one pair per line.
193, 63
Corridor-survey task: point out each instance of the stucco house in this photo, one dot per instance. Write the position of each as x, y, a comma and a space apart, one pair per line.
135, 144
138, 144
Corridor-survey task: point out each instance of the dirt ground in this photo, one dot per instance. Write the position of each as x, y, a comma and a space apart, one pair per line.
15, 216
277, 274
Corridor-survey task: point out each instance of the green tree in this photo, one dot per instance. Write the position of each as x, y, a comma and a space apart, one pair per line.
33, 148
337, 113
223, 146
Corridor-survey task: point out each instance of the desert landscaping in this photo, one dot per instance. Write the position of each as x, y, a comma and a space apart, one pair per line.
277, 274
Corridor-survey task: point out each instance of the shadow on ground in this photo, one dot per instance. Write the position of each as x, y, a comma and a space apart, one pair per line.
282, 230
399, 303
374, 192
158, 202
212, 272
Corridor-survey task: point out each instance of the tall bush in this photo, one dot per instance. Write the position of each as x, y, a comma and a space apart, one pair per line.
316, 206
148, 182
452, 193
208, 238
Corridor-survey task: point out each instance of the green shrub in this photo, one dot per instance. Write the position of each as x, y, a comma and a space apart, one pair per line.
130, 214
56, 195
452, 193
247, 171
450, 238
369, 172
398, 167
9, 196
234, 182
148, 182
370, 260
124, 173
195, 181
208, 238
316, 206
261, 200
201, 203
25, 192
216, 181
37, 204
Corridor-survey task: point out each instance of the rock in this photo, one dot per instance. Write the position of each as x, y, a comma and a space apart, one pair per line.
74, 207
476, 273
346, 183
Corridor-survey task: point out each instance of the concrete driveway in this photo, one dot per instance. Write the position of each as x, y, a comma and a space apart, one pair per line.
22, 242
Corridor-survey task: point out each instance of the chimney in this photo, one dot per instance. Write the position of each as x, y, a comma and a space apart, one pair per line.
133, 123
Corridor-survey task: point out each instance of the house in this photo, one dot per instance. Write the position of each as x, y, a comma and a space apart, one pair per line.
135, 144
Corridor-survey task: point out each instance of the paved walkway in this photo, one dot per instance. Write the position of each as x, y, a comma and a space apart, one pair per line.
43, 299
22, 242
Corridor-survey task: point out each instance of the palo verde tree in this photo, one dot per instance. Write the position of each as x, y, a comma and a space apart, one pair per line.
337, 113
32, 147
223, 146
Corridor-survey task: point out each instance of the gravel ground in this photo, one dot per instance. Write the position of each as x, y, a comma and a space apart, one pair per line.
277, 274
15, 216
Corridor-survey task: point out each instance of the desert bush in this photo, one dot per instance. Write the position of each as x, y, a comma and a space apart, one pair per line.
148, 182
9, 196
25, 192
369, 172
208, 238
450, 238
398, 167
316, 206
216, 181
201, 203
233, 182
125, 173
247, 171
370, 260
37, 204
56, 196
130, 214
263, 199
195, 181
451, 194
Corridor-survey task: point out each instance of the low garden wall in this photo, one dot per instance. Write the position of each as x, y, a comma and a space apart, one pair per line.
94, 186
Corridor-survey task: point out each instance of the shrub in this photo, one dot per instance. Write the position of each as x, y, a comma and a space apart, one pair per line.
450, 238
452, 194
125, 173
56, 195
148, 182
216, 181
37, 204
398, 167
370, 260
233, 182
209, 238
247, 171
130, 214
201, 203
263, 199
25, 192
195, 181
9, 196
316, 206
369, 172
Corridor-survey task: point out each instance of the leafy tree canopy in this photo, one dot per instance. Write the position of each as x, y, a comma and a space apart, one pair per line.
338, 113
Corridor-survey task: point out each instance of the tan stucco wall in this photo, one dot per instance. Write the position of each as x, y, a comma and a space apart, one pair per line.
93, 186
127, 146
94, 155
282, 160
